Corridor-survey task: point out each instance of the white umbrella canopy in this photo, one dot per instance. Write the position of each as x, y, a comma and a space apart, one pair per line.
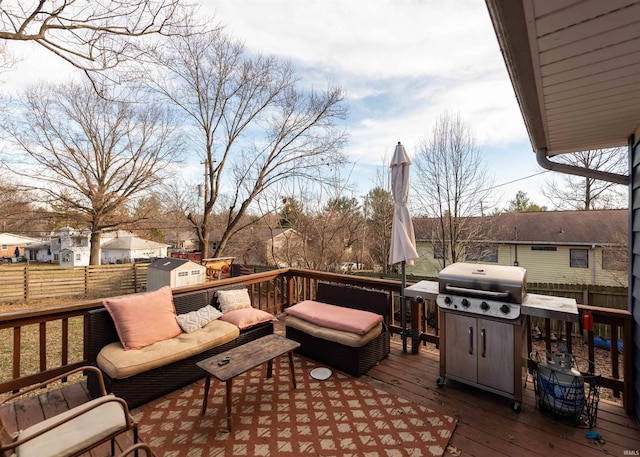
403, 239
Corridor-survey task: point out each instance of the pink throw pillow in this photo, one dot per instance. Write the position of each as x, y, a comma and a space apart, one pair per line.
247, 317
145, 318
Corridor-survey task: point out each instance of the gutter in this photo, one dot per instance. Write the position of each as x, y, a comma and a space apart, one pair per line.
544, 162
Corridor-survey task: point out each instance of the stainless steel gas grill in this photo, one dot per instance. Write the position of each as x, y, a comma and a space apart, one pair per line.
481, 327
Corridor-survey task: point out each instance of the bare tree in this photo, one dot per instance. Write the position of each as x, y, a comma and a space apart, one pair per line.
251, 127
582, 193
14, 206
379, 217
90, 35
450, 183
89, 157
7, 60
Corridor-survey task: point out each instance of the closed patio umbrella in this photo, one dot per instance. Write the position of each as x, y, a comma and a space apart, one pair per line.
403, 240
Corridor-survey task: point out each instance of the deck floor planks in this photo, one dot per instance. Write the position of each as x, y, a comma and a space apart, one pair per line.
487, 426
484, 429
481, 412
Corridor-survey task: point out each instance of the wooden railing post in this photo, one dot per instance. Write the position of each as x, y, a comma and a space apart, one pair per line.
17, 346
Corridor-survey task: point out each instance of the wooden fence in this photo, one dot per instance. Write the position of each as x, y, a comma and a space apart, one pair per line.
29, 282
584, 294
24, 283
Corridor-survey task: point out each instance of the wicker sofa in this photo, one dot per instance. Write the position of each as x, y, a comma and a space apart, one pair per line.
322, 347
153, 383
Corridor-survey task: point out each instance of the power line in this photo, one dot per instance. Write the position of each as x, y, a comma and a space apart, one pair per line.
517, 180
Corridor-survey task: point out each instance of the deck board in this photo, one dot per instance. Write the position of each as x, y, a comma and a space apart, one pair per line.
487, 426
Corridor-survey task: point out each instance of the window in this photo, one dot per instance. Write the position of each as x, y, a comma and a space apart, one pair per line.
614, 259
195, 272
182, 274
5, 247
579, 258
482, 253
544, 248
78, 257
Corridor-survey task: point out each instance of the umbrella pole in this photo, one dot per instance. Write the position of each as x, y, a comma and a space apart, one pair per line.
403, 309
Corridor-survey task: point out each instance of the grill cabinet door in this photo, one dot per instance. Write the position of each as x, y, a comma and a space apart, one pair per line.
495, 355
461, 346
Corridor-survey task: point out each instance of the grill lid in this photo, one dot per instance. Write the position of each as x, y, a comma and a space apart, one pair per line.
497, 282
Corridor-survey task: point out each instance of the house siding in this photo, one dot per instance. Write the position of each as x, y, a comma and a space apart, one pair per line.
634, 262
541, 266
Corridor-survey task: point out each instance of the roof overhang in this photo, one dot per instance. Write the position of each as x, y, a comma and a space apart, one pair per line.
575, 69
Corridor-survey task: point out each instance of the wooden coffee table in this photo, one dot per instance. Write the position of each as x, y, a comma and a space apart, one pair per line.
244, 358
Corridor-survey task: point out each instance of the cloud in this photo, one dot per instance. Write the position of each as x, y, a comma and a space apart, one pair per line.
377, 38
401, 64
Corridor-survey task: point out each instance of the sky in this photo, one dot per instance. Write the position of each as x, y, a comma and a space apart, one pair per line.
401, 63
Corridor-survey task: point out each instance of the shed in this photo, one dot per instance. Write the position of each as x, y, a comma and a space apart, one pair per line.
169, 271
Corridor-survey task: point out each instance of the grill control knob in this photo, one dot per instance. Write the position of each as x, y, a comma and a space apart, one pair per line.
465, 303
447, 300
484, 306
504, 309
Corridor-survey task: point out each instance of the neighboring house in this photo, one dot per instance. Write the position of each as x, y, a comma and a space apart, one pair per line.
72, 248
169, 271
125, 247
39, 252
260, 245
185, 241
10, 242
561, 247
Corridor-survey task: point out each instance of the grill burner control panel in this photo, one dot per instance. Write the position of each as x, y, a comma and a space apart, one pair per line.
481, 306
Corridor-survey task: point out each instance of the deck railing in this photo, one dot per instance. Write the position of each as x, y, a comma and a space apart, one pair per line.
36, 344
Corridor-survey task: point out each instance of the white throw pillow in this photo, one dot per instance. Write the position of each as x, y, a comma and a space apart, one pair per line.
230, 300
190, 322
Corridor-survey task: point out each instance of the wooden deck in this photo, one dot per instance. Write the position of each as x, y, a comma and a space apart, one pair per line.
487, 426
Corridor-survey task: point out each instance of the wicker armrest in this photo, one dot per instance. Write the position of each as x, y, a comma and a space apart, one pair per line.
375, 301
102, 331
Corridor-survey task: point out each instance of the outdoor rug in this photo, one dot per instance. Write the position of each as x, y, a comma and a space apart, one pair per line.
339, 416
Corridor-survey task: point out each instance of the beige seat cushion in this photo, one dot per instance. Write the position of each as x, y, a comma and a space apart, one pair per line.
70, 437
339, 336
120, 364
